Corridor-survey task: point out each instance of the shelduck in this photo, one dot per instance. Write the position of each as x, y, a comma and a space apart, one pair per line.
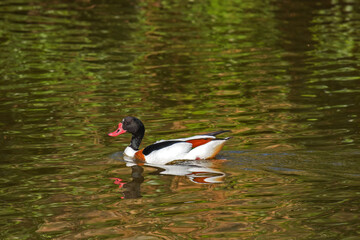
205, 146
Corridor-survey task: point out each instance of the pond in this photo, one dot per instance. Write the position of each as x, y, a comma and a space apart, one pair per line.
283, 76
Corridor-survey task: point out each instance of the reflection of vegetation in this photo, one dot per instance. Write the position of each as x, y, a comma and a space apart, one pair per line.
224, 64
216, 59
277, 73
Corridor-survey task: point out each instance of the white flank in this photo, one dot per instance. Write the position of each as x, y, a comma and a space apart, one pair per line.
170, 153
204, 151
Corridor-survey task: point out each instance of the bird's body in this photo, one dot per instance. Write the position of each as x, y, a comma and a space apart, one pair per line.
205, 146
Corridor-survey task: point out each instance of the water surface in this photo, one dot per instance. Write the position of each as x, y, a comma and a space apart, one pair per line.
283, 76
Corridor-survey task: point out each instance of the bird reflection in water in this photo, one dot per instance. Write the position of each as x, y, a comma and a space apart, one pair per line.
197, 171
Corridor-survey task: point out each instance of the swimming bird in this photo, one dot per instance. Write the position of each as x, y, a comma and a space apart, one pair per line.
204, 146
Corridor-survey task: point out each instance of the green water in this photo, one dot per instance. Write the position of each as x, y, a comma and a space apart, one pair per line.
283, 76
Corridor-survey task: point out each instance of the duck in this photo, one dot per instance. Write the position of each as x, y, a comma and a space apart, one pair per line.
198, 147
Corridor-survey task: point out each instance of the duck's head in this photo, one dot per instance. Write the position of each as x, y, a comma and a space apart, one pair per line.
129, 124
